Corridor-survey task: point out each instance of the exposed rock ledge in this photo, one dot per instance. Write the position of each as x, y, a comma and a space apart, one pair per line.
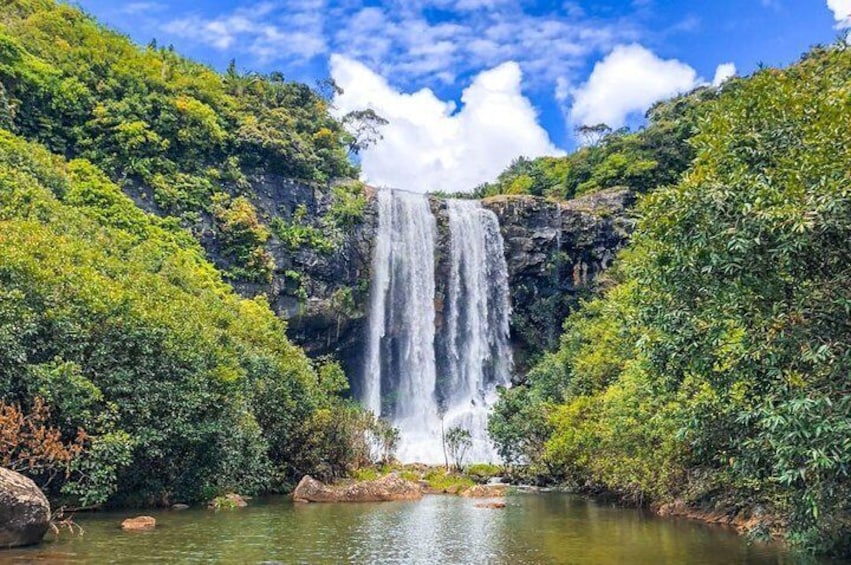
743, 520
387, 488
485, 491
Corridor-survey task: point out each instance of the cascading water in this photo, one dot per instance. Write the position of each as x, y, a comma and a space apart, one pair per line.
400, 372
478, 354
401, 380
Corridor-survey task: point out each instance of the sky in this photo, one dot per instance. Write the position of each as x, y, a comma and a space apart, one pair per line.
469, 85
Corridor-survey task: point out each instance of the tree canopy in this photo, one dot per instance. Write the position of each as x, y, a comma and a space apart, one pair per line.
151, 117
656, 155
717, 367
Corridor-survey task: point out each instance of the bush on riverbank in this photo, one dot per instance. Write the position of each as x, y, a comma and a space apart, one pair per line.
718, 366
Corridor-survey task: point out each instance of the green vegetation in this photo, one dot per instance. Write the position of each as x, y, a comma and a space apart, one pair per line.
482, 472
443, 480
348, 205
456, 442
299, 232
716, 370
116, 320
243, 236
323, 234
656, 155
151, 116
180, 137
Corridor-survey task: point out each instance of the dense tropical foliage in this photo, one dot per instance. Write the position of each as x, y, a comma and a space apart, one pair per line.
153, 117
183, 139
655, 155
716, 369
713, 370
130, 371
113, 319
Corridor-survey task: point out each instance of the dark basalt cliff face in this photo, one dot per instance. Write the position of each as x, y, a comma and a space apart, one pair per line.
322, 292
324, 295
555, 254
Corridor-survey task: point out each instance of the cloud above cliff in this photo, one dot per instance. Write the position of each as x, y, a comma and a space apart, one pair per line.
468, 85
627, 81
429, 143
405, 41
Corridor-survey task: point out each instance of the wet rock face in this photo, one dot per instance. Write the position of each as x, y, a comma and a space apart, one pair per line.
555, 254
327, 312
24, 511
554, 251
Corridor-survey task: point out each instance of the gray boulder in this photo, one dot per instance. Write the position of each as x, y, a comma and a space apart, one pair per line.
24, 510
388, 488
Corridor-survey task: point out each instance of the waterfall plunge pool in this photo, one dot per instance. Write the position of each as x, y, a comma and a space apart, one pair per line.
439, 529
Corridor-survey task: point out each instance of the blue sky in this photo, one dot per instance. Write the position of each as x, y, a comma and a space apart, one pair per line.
448, 73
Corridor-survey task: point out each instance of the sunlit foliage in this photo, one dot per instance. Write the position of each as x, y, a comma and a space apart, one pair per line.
718, 368
114, 317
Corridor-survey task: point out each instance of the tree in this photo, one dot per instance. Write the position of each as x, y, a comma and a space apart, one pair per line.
386, 438
364, 127
592, 135
29, 444
456, 442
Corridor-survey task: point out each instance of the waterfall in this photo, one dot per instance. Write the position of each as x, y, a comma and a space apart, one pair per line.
400, 374
401, 381
477, 349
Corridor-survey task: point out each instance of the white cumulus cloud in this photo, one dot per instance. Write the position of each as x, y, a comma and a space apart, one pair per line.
628, 81
724, 72
430, 144
841, 12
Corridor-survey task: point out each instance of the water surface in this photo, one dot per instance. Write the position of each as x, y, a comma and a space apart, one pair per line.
545, 528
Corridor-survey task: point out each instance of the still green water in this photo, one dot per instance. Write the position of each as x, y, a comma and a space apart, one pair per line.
544, 528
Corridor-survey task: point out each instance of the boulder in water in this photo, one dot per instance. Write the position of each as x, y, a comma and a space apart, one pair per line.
24, 510
139, 523
387, 488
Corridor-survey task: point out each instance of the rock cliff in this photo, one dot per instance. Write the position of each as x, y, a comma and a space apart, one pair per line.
555, 253
322, 293
321, 289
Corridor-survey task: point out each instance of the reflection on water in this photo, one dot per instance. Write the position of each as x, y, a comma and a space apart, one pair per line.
551, 528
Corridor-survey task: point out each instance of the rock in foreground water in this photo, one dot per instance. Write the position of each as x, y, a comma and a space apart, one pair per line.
492, 505
139, 523
24, 510
387, 488
229, 500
